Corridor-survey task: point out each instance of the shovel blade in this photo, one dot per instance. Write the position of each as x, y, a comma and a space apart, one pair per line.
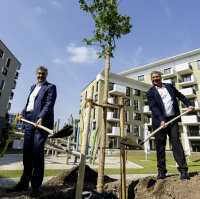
66, 131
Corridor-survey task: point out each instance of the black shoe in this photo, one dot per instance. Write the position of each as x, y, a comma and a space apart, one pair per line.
36, 192
161, 175
17, 188
185, 175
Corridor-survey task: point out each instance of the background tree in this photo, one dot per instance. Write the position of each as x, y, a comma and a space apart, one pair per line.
109, 26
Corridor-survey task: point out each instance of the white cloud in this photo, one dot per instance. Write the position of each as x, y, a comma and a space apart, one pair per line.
82, 54
59, 61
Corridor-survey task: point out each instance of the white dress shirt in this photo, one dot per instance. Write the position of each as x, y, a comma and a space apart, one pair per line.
33, 95
167, 100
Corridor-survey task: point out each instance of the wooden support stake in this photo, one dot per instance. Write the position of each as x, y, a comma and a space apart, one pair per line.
81, 171
122, 153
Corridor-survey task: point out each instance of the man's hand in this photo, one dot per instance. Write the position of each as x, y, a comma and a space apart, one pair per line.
39, 122
163, 124
191, 108
20, 117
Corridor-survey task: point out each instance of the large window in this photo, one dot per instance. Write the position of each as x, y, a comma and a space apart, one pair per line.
167, 71
128, 128
136, 92
136, 105
111, 86
4, 70
198, 63
8, 62
194, 131
97, 86
1, 54
93, 125
141, 78
136, 130
136, 116
2, 85
127, 102
187, 78
94, 113
96, 98
128, 91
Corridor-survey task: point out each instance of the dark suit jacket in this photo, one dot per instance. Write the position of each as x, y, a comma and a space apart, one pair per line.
43, 105
157, 107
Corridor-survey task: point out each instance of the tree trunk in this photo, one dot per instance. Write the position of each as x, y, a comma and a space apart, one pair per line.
100, 180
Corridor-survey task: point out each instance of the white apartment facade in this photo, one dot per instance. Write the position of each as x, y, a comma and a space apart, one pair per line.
183, 71
9, 66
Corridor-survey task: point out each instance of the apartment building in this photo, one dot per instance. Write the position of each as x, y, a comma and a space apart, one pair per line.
9, 66
133, 92
183, 71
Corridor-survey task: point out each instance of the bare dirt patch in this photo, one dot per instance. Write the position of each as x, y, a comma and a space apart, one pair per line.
64, 186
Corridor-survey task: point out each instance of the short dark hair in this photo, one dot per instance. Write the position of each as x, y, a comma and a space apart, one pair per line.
42, 68
155, 71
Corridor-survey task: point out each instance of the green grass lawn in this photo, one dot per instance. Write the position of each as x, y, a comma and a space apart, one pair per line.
149, 166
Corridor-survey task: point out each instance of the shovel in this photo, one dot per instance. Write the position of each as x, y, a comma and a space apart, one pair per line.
66, 131
158, 129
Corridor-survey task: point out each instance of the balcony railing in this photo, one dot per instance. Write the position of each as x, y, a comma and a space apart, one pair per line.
169, 73
117, 90
114, 131
112, 117
183, 69
146, 110
169, 81
190, 81
188, 92
190, 119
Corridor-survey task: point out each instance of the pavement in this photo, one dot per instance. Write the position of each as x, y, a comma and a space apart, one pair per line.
14, 162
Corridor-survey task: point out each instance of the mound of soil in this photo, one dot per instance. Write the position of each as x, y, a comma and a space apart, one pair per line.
64, 186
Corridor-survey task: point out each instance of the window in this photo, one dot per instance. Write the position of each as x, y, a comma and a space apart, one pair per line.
141, 78
198, 63
194, 131
97, 86
136, 92
93, 125
2, 85
94, 113
1, 54
136, 130
116, 113
136, 105
8, 62
96, 98
4, 70
127, 102
85, 95
128, 91
111, 86
167, 71
128, 128
187, 78
136, 116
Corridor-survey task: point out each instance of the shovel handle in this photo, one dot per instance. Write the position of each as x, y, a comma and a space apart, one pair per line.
40, 126
158, 129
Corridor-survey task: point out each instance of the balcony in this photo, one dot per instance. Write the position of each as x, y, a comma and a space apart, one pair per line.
112, 117
183, 69
14, 85
16, 75
169, 81
188, 81
146, 110
188, 92
169, 73
11, 95
114, 131
149, 122
191, 120
113, 100
8, 106
117, 90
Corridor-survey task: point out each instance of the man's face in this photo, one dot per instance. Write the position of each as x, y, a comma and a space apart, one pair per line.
41, 76
156, 79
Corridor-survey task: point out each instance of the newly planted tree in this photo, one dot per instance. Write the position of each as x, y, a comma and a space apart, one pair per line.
109, 26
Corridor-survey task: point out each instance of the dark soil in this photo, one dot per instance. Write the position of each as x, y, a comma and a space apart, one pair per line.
64, 186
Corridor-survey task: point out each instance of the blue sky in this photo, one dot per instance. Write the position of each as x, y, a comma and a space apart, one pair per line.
50, 33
